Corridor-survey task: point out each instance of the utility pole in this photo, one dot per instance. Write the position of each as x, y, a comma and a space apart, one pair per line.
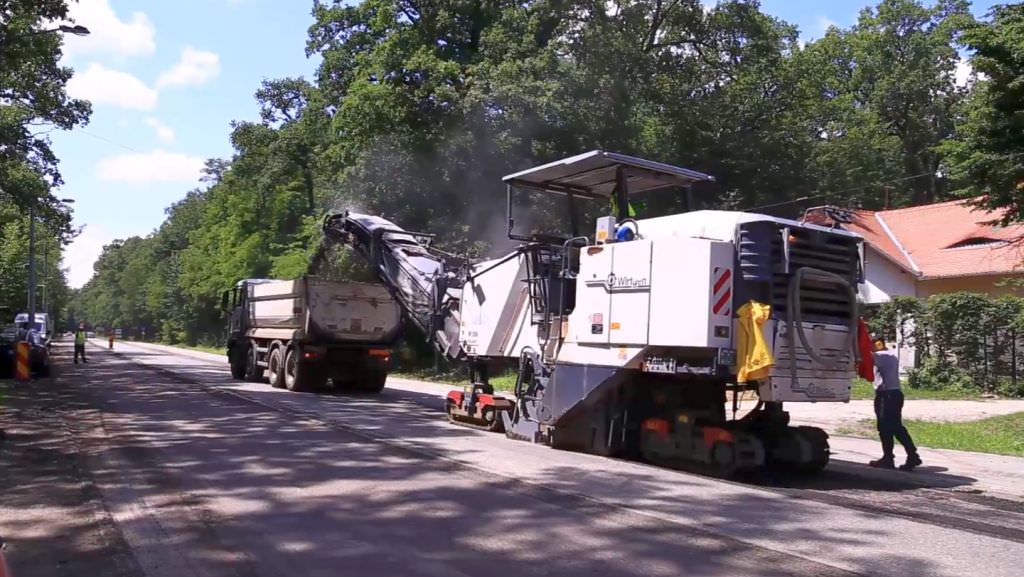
32, 265
32, 284
46, 277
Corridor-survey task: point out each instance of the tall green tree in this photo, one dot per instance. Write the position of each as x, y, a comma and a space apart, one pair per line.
33, 96
881, 97
987, 157
417, 110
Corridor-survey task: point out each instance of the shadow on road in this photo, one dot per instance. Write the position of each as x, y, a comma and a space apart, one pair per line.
245, 486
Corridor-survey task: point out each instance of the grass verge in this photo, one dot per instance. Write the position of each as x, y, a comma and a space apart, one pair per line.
863, 390
503, 382
1001, 435
202, 348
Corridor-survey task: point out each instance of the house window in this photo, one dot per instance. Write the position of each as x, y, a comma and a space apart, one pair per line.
976, 242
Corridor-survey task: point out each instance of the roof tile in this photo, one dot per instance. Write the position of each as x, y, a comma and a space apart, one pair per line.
930, 235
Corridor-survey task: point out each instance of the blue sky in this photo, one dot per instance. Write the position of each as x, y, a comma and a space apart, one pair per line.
166, 78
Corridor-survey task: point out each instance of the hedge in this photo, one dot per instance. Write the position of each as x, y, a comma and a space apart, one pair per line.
964, 341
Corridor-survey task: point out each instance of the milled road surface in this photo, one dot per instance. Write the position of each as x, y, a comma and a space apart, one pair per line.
206, 476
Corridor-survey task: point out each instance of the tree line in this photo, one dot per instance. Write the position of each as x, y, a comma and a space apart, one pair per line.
418, 109
33, 102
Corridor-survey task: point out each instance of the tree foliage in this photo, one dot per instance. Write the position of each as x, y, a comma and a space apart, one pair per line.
418, 108
964, 341
987, 157
33, 101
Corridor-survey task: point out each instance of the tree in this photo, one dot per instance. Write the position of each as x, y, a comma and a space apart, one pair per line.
881, 97
987, 157
33, 96
419, 108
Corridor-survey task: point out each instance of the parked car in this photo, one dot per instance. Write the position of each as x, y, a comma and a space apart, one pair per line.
8, 336
39, 354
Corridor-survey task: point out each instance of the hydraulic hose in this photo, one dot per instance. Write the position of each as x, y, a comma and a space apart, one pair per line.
795, 316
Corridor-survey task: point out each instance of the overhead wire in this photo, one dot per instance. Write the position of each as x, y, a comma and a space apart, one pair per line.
835, 192
107, 140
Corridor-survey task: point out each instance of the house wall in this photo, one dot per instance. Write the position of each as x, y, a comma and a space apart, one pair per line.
883, 279
977, 284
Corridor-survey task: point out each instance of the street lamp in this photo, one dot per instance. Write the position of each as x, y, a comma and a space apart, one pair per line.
32, 260
77, 30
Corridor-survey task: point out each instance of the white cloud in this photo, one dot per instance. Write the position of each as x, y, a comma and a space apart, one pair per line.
148, 167
82, 253
963, 73
195, 67
163, 132
102, 85
108, 33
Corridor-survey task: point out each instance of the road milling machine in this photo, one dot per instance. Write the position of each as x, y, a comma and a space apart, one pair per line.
630, 336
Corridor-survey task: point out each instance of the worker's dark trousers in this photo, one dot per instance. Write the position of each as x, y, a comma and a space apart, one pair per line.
80, 350
889, 413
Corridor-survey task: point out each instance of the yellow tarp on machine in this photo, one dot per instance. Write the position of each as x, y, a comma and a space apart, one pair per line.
752, 356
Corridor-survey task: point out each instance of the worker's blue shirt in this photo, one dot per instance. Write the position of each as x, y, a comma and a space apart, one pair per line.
887, 371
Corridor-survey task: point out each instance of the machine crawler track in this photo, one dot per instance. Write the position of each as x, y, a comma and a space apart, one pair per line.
495, 427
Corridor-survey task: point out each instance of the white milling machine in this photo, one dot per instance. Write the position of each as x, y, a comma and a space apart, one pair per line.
627, 339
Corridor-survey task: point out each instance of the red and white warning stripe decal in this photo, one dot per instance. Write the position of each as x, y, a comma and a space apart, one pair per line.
721, 291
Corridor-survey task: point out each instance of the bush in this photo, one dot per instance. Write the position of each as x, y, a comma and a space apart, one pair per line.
965, 341
934, 375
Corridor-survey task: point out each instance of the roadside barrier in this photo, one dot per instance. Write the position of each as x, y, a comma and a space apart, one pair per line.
22, 369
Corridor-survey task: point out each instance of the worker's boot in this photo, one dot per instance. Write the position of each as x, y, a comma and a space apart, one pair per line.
883, 463
913, 461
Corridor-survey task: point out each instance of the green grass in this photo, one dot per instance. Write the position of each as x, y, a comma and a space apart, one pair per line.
202, 348
1002, 435
863, 390
503, 382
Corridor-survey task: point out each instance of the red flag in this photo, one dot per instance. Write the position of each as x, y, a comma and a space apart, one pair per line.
866, 368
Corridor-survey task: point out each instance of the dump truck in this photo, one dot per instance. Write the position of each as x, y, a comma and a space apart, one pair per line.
298, 334
630, 336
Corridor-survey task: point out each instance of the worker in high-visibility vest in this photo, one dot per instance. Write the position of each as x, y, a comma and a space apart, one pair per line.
630, 212
80, 343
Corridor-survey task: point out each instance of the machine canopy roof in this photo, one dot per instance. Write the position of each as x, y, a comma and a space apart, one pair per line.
593, 175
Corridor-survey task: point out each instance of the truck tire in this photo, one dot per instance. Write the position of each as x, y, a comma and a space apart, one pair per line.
299, 377
373, 380
237, 363
275, 367
253, 372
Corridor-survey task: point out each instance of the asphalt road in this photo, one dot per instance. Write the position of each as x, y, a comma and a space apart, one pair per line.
206, 476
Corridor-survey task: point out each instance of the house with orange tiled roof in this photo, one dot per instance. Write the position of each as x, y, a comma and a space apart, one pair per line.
936, 248
925, 250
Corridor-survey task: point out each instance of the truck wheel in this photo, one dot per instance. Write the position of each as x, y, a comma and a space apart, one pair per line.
291, 371
373, 380
237, 365
253, 372
275, 368
299, 377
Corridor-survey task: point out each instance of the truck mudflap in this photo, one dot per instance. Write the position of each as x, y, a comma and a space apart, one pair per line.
477, 406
